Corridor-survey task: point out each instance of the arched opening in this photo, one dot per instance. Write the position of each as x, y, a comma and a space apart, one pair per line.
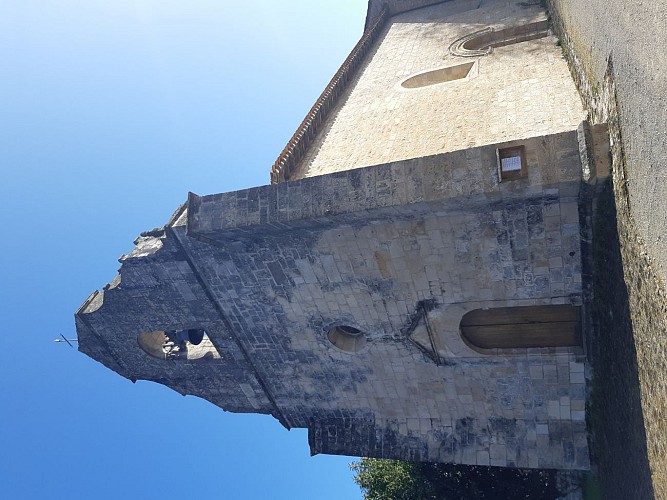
187, 344
481, 43
522, 327
347, 338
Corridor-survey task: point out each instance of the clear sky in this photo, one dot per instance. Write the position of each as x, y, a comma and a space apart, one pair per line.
110, 112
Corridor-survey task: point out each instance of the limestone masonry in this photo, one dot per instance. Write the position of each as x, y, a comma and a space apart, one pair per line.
412, 285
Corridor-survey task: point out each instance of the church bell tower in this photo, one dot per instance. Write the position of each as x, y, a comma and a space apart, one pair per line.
409, 285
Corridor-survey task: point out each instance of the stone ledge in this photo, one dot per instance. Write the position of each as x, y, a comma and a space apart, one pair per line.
447, 183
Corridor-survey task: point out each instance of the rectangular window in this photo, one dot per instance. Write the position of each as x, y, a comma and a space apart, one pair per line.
512, 163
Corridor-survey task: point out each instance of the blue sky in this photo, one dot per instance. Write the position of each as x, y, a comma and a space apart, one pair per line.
110, 112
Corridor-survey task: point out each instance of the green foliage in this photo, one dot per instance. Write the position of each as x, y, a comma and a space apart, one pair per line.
389, 480
397, 480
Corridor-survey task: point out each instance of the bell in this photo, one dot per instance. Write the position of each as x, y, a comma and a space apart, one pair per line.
195, 336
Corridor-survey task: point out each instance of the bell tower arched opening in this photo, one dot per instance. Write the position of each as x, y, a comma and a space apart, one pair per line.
190, 344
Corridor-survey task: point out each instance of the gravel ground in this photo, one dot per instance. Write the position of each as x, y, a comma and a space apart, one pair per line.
634, 36
616, 52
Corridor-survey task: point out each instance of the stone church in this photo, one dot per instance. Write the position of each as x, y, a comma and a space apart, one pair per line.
410, 284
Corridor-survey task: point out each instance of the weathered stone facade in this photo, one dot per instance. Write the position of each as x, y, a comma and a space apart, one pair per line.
335, 302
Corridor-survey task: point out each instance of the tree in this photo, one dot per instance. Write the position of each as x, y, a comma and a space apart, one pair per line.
398, 480
390, 480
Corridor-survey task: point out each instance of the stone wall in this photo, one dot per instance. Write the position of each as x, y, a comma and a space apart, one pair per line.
518, 91
158, 290
268, 271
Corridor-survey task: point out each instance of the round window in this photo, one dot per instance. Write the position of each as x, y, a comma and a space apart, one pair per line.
347, 338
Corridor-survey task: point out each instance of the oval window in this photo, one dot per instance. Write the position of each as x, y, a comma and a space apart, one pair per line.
347, 338
438, 76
